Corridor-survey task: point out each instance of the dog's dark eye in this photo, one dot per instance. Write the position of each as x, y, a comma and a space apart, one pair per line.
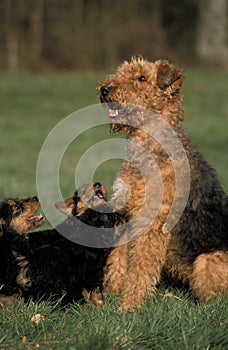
141, 78
15, 207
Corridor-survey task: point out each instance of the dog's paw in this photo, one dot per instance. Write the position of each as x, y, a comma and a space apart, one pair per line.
127, 308
7, 300
121, 194
94, 297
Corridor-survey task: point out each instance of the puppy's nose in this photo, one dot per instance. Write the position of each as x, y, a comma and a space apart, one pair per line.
36, 199
97, 185
105, 90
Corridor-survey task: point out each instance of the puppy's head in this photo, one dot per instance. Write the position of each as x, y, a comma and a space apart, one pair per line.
17, 215
86, 196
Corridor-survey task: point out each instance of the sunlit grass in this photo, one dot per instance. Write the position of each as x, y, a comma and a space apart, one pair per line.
168, 321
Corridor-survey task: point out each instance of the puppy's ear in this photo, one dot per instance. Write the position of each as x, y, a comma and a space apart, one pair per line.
2, 222
169, 77
66, 207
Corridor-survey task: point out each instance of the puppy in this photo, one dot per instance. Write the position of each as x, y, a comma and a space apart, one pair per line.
16, 219
48, 264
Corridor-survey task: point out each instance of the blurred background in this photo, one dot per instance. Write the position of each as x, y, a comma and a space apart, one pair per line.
54, 52
98, 34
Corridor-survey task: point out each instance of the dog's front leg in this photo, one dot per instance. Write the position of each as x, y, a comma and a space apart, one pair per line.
146, 258
115, 269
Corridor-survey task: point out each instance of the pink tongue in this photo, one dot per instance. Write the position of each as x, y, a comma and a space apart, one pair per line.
36, 218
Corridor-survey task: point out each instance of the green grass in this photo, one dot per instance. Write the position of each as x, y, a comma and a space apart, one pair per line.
31, 105
206, 104
173, 322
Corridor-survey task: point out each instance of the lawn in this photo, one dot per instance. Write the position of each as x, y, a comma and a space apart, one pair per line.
31, 105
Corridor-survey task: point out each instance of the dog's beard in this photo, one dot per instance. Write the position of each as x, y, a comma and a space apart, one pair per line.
116, 128
120, 114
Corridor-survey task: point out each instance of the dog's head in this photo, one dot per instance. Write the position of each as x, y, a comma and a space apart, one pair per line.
138, 85
90, 205
86, 196
17, 215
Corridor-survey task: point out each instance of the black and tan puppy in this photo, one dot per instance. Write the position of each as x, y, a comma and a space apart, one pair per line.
16, 218
48, 263
17, 215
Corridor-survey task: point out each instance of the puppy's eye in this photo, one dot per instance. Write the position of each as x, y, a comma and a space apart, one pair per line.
15, 207
141, 78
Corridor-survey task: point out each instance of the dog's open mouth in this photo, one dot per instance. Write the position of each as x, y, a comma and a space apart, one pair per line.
100, 192
114, 113
118, 114
35, 218
98, 195
115, 109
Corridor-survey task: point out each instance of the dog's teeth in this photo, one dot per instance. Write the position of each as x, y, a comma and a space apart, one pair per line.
113, 112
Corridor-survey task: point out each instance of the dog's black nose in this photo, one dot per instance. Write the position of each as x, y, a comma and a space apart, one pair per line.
105, 90
97, 185
36, 199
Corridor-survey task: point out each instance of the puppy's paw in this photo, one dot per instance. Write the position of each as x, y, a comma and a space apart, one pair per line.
121, 194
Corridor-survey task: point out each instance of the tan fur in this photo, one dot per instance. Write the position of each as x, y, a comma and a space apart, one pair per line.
2, 222
23, 263
134, 269
21, 223
7, 300
210, 275
93, 298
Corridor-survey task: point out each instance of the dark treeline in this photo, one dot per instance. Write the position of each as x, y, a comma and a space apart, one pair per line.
95, 34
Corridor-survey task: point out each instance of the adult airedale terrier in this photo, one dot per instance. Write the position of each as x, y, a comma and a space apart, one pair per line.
189, 243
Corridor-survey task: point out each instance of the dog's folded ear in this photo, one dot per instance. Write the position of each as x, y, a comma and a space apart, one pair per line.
169, 76
66, 207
